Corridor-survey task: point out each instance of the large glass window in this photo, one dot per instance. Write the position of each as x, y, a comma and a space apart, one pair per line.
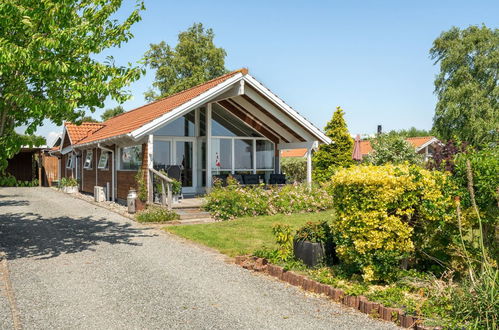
243, 154
162, 154
183, 126
264, 154
221, 154
131, 157
225, 124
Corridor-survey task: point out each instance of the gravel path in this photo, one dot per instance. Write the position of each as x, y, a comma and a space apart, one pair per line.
76, 265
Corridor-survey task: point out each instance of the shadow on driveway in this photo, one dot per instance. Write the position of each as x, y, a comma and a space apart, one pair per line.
24, 235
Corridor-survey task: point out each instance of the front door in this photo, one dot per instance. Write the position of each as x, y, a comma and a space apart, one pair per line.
169, 151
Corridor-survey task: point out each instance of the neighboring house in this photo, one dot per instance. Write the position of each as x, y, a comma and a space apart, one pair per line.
424, 145
231, 124
32, 163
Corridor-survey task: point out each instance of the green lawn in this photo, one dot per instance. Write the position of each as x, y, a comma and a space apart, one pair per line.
244, 235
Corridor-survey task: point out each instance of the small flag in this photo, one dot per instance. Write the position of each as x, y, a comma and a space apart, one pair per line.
217, 161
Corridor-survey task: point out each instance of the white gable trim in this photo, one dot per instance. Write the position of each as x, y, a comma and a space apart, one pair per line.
430, 142
186, 107
286, 108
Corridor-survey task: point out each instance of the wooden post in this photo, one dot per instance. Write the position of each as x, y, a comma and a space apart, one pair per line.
150, 195
163, 193
40, 163
170, 197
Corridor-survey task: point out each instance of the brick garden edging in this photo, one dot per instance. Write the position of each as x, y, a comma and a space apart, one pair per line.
360, 303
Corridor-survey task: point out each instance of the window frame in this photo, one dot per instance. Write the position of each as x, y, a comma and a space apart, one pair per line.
120, 159
88, 153
70, 162
106, 167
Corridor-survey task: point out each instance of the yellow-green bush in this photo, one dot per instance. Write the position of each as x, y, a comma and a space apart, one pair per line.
388, 213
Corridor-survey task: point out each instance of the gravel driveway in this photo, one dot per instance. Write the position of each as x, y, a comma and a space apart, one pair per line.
75, 265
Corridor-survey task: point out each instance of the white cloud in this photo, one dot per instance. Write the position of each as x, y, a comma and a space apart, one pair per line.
51, 137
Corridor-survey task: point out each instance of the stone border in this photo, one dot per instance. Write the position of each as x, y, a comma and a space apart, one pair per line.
359, 303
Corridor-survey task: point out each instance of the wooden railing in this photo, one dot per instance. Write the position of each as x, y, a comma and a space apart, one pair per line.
166, 196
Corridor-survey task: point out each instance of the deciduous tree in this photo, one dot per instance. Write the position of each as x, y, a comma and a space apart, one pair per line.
113, 112
467, 85
392, 148
48, 67
194, 60
338, 154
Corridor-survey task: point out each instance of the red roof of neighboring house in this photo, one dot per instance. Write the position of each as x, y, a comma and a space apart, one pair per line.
134, 119
79, 132
365, 147
293, 152
417, 142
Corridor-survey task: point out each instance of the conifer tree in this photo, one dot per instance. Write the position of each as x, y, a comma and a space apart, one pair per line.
338, 154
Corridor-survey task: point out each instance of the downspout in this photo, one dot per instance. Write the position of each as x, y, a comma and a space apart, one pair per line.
112, 165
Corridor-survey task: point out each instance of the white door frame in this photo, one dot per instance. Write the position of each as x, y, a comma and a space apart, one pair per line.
173, 152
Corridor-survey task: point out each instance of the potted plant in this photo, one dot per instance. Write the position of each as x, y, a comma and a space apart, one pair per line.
313, 243
176, 190
69, 185
141, 200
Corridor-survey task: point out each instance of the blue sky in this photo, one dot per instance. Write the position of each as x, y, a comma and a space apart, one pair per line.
369, 57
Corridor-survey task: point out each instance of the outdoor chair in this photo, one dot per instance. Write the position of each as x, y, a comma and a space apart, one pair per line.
251, 179
175, 172
221, 177
239, 178
277, 179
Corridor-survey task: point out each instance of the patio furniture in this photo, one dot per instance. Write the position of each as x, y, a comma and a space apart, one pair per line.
239, 178
251, 179
277, 179
175, 172
221, 177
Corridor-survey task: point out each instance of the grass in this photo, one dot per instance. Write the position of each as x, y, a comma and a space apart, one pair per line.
244, 235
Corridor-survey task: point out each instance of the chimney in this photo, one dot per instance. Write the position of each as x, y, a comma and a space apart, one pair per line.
379, 129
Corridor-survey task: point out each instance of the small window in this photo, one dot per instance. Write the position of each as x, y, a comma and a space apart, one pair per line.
69, 162
88, 160
104, 161
131, 158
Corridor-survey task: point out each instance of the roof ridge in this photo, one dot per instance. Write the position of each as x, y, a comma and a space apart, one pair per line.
420, 137
244, 71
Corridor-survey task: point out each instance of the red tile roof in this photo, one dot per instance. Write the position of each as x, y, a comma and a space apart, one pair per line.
134, 119
293, 153
365, 145
79, 132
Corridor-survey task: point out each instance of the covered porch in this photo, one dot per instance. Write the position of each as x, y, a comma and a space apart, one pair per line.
239, 133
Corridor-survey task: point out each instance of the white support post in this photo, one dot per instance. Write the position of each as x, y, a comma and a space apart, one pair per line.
309, 167
150, 155
254, 157
208, 145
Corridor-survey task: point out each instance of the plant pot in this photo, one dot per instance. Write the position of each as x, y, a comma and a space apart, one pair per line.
139, 205
310, 253
176, 198
70, 189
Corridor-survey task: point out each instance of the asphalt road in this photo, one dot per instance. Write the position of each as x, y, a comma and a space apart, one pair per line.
73, 265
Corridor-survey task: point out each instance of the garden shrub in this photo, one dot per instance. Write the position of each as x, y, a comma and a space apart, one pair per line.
319, 232
234, 200
10, 181
68, 182
295, 169
156, 214
386, 214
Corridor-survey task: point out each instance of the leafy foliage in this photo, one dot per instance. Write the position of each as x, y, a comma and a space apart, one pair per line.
485, 169
194, 60
331, 157
10, 181
48, 66
295, 169
235, 201
388, 213
140, 179
284, 240
68, 182
467, 85
156, 214
87, 119
412, 132
392, 148
444, 156
112, 112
